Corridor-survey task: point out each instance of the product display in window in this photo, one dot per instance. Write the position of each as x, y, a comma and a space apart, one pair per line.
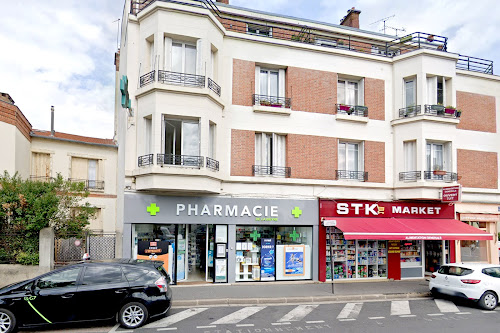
411, 253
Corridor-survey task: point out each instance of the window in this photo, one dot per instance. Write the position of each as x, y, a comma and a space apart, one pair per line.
350, 92
102, 274
211, 143
410, 93
270, 86
181, 137
140, 275
261, 30
151, 50
269, 82
270, 150
435, 156
89, 171
436, 90
65, 278
40, 166
492, 271
183, 58
148, 137
410, 152
350, 161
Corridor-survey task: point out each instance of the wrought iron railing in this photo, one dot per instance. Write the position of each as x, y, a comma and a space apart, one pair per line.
273, 101
353, 110
145, 160
444, 176
213, 86
410, 176
212, 164
441, 111
410, 111
45, 179
147, 79
183, 79
271, 170
475, 64
361, 176
89, 183
184, 160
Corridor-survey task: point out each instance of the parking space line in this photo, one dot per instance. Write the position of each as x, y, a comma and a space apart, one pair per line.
407, 316
244, 325
167, 329
435, 314
376, 317
347, 319
315, 322
278, 324
208, 326
488, 311
459, 313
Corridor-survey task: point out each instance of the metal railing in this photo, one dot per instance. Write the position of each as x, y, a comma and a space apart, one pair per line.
444, 176
271, 170
145, 160
441, 111
45, 179
354, 110
183, 79
361, 176
410, 176
410, 111
212, 164
89, 183
184, 160
273, 101
475, 64
147, 79
213, 86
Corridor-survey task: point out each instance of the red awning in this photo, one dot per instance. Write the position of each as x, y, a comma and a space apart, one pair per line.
408, 229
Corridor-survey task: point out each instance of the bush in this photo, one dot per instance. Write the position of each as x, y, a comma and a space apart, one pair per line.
27, 258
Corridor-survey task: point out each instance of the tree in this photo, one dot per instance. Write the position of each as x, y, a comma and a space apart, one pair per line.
29, 206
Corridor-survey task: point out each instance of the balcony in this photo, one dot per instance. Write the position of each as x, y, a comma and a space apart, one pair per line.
146, 79
214, 86
182, 160
272, 101
145, 160
352, 110
410, 176
442, 176
212, 164
183, 79
270, 170
361, 176
90, 184
44, 179
410, 111
441, 111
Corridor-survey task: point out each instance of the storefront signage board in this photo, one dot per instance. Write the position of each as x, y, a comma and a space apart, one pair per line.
294, 260
344, 208
267, 253
451, 193
394, 260
156, 250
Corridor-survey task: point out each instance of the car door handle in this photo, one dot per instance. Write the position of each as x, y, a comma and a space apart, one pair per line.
120, 291
67, 295
17, 299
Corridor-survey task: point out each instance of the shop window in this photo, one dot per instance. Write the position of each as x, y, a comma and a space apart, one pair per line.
293, 253
474, 250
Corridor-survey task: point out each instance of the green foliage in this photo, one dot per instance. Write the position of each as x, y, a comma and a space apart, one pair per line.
29, 206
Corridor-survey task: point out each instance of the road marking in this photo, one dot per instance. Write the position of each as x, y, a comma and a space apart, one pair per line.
347, 319
407, 316
399, 308
278, 324
488, 311
114, 328
239, 315
298, 313
446, 306
376, 317
350, 310
244, 325
315, 322
435, 314
208, 326
172, 319
460, 313
167, 329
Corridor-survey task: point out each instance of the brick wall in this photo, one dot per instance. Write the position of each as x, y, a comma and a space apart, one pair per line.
477, 168
11, 114
243, 82
312, 157
478, 112
312, 90
375, 161
375, 98
233, 25
242, 152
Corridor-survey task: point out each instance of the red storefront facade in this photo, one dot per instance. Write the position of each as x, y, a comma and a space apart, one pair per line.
388, 240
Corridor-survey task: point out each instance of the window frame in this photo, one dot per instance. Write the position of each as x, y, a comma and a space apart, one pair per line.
182, 121
275, 146
414, 91
183, 56
358, 91
360, 159
257, 30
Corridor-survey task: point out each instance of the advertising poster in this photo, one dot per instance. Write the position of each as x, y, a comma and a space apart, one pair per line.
211, 255
267, 257
294, 260
220, 270
157, 250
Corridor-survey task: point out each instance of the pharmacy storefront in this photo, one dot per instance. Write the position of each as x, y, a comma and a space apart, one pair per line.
224, 240
389, 240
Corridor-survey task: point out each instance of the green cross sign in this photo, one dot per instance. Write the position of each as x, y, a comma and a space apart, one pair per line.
296, 212
255, 235
294, 235
153, 209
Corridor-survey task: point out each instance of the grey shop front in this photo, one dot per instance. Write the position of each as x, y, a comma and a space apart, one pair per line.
223, 239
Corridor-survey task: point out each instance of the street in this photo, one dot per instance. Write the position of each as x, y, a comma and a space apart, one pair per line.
416, 315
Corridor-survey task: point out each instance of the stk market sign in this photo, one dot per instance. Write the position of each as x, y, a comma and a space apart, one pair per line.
344, 208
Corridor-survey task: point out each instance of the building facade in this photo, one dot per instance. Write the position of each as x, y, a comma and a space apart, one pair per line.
240, 132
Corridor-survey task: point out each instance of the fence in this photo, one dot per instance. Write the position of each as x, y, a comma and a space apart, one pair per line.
71, 249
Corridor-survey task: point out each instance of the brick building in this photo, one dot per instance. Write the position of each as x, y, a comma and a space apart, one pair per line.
245, 131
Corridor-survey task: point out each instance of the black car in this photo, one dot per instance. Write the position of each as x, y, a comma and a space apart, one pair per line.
130, 290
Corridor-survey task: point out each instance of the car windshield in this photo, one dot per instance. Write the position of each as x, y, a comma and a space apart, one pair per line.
455, 270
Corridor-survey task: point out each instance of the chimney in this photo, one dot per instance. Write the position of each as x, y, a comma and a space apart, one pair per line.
351, 19
224, 1
52, 132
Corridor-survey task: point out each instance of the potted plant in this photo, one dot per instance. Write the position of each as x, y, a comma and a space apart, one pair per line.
438, 171
264, 102
344, 107
438, 108
450, 110
361, 109
276, 104
458, 113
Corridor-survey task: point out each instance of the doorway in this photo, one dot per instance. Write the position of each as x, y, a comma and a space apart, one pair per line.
433, 255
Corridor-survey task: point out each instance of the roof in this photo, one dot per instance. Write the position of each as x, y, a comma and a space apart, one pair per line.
72, 138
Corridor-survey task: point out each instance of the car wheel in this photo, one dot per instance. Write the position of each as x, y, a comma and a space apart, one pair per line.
488, 301
7, 321
435, 293
133, 315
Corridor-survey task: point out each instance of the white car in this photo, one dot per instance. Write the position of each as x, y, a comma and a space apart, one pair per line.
474, 281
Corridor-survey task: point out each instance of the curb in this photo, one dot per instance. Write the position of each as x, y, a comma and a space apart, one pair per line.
296, 299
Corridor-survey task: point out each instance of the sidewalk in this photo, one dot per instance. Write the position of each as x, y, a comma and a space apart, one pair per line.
295, 292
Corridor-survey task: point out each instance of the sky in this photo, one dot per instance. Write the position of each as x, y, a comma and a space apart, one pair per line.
61, 53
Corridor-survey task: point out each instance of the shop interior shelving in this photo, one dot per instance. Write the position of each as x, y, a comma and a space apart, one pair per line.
411, 255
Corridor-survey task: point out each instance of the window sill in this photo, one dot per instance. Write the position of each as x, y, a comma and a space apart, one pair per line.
272, 110
346, 117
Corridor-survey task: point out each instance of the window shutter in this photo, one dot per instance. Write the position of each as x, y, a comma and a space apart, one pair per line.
279, 150
361, 92
163, 134
447, 165
257, 81
199, 58
100, 170
258, 148
79, 168
432, 90
361, 157
168, 54
281, 83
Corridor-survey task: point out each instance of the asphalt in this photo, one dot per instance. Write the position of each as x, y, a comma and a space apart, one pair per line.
296, 292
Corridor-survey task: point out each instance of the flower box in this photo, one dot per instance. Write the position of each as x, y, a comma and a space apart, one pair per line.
344, 107
449, 111
439, 172
276, 105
